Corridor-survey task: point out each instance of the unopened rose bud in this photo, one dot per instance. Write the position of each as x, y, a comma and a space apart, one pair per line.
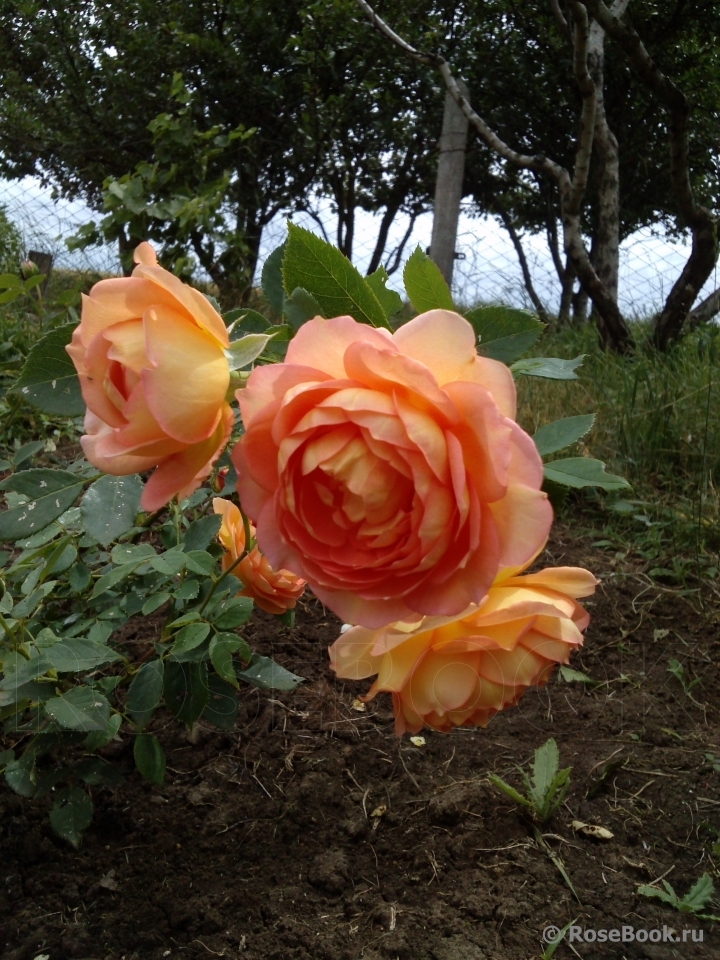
28, 268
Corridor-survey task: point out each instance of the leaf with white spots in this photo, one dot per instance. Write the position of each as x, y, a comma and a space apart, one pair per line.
49, 493
110, 506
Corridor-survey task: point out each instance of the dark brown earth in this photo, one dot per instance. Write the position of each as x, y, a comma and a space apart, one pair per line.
312, 833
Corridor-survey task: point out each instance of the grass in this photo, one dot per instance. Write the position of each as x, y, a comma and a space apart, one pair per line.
657, 424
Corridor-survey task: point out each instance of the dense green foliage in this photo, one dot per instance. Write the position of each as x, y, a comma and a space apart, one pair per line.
83, 558
658, 424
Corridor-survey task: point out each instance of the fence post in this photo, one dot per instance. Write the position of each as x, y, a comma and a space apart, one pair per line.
449, 184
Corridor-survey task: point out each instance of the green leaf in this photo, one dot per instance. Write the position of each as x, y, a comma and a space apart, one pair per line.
576, 676
186, 690
49, 492
300, 307
150, 758
242, 352
20, 774
131, 553
80, 708
198, 561
99, 738
389, 300
26, 451
508, 790
505, 333
27, 607
25, 671
583, 472
561, 433
145, 692
667, 897
550, 368
98, 773
113, 578
272, 281
425, 285
223, 647
222, 706
154, 603
110, 506
202, 532
170, 562
325, 273
245, 321
77, 654
264, 673
10, 281
71, 814
545, 768
48, 379
231, 613
699, 895
190, 637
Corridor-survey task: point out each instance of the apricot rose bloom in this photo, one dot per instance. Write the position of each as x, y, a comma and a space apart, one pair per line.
446, 672
274, 591
387, 469
149, 355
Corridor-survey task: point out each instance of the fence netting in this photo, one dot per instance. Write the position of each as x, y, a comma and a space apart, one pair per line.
486, 266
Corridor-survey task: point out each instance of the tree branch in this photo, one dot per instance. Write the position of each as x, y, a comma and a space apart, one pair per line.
705, 311
538, 163
559, 18
522, 259
613, 330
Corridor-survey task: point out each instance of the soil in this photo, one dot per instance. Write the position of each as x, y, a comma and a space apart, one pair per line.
311, 832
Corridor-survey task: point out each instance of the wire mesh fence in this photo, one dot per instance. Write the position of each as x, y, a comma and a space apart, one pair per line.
486, 266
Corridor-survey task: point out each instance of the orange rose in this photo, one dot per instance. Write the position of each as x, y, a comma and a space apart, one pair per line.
274, 591
149, 355
446, 672
387, 469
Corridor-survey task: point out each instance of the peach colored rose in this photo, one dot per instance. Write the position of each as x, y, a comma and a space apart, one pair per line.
387, 469
446, 672
272, 590
149, 355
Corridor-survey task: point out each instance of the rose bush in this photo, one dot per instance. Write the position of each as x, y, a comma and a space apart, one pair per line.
387, 469
149, 352
445, 672
274, 591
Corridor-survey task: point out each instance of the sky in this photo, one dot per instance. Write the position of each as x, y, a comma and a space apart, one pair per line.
486, 271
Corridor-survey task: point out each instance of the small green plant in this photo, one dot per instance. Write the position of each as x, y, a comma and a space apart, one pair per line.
677, 670
713, 761
695, 900
555, 942
548, 787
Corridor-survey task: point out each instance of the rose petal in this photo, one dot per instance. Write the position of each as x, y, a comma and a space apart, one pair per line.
189, 377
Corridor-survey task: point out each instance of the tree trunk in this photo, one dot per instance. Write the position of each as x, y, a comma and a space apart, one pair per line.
449, 185
605, 254
567, 281
614, 331
580, 307
701, 262
701, 221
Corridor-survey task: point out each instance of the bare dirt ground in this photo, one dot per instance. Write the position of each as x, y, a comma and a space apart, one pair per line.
311, 832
